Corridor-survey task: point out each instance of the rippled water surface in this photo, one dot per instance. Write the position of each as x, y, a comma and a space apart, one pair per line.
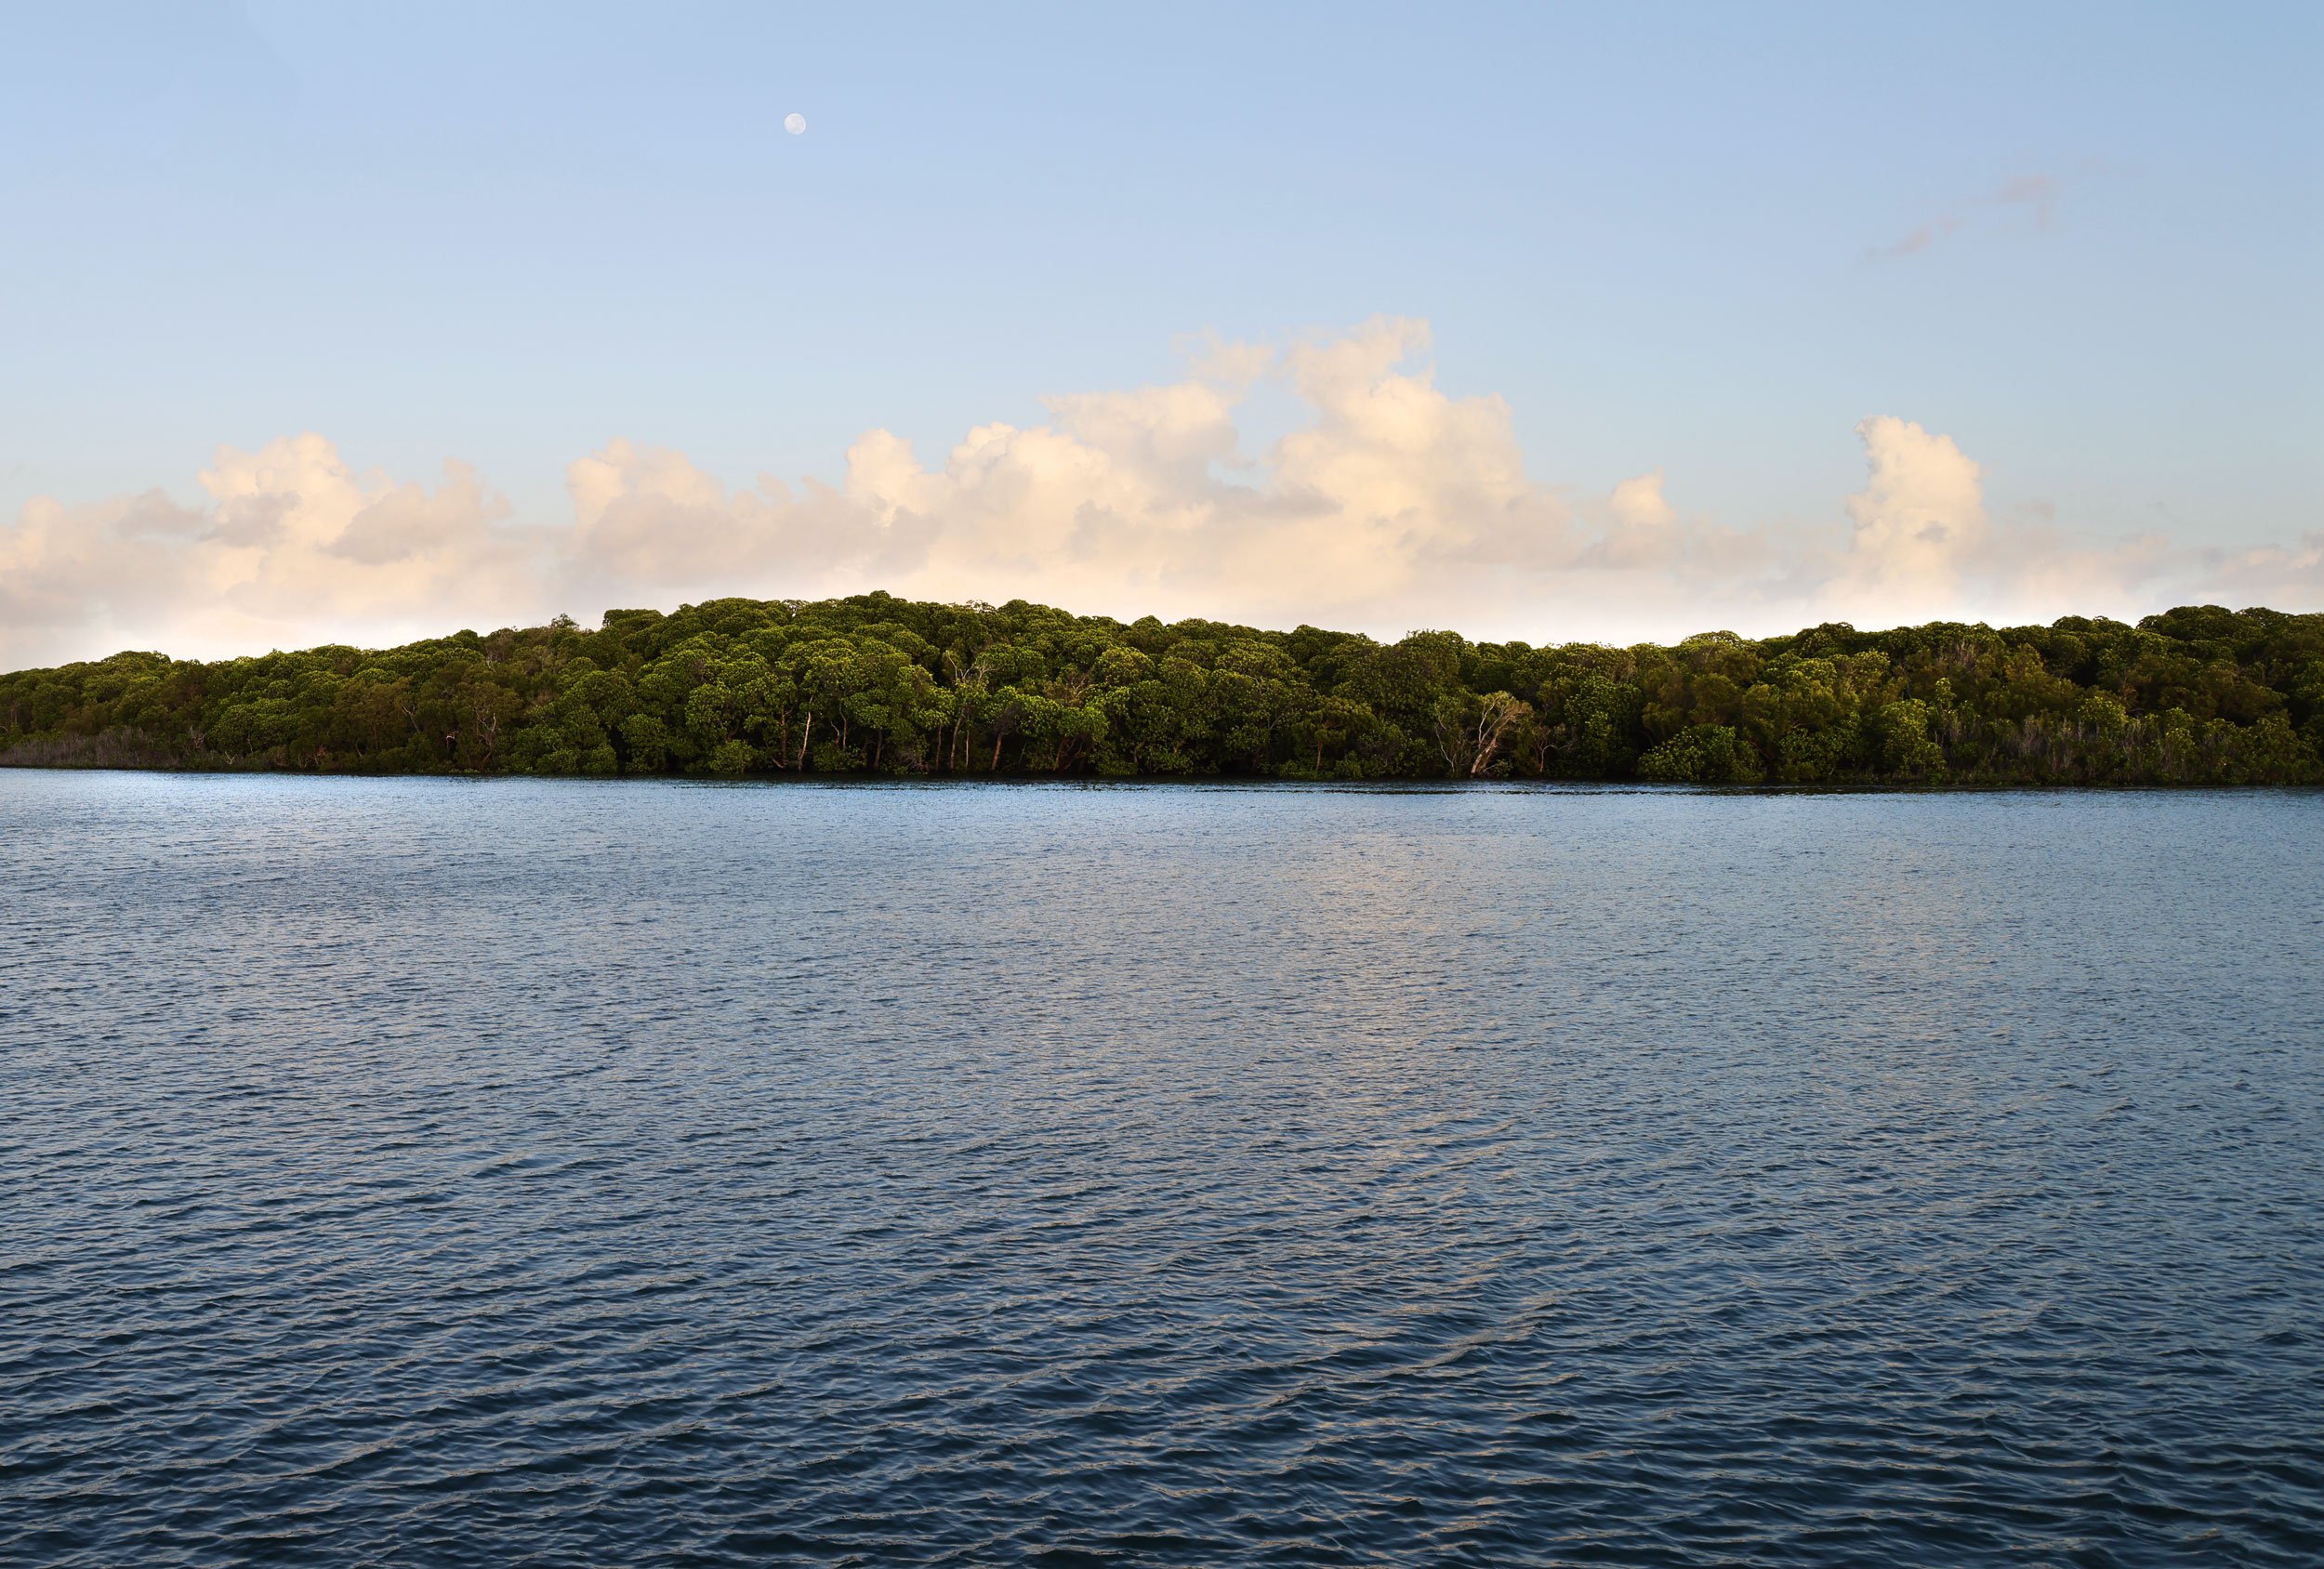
426, 1172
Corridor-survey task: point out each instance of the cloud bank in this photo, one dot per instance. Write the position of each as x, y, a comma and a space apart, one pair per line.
1391, 505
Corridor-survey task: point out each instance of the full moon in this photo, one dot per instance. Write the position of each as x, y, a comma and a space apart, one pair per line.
795, 124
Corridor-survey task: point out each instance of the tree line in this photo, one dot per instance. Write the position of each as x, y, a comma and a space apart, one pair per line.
878, 685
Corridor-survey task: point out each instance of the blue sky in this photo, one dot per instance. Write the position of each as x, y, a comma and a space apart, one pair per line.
2081, 243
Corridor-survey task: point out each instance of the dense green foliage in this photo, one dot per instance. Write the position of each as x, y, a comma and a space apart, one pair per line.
880, 685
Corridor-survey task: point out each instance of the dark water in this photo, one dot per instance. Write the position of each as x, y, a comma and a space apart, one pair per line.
417, 1172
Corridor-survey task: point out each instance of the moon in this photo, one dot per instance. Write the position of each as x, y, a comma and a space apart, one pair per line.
795, 124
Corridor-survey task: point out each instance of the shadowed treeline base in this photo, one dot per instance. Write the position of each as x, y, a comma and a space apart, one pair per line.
874, 684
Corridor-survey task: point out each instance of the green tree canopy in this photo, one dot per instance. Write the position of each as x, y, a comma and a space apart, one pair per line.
874, 684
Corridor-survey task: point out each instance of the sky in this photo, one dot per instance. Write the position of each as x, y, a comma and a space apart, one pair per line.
355, 325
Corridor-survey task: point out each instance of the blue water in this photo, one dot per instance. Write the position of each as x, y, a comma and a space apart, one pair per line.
422, 1172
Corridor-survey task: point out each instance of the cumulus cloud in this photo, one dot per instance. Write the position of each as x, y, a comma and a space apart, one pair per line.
1920, 525
291, 547
1124, 501
1391, 504
1641, 527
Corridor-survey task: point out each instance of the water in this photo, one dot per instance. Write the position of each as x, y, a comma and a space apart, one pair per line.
418, 1172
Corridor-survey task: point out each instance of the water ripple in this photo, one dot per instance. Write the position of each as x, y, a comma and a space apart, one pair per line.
419, 1172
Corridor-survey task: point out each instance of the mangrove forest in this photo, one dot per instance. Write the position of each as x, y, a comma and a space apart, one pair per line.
875, 685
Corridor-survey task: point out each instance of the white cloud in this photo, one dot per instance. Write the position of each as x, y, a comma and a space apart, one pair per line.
1392, 493
1920, 525
291, 548
1641, 527
1391, 505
